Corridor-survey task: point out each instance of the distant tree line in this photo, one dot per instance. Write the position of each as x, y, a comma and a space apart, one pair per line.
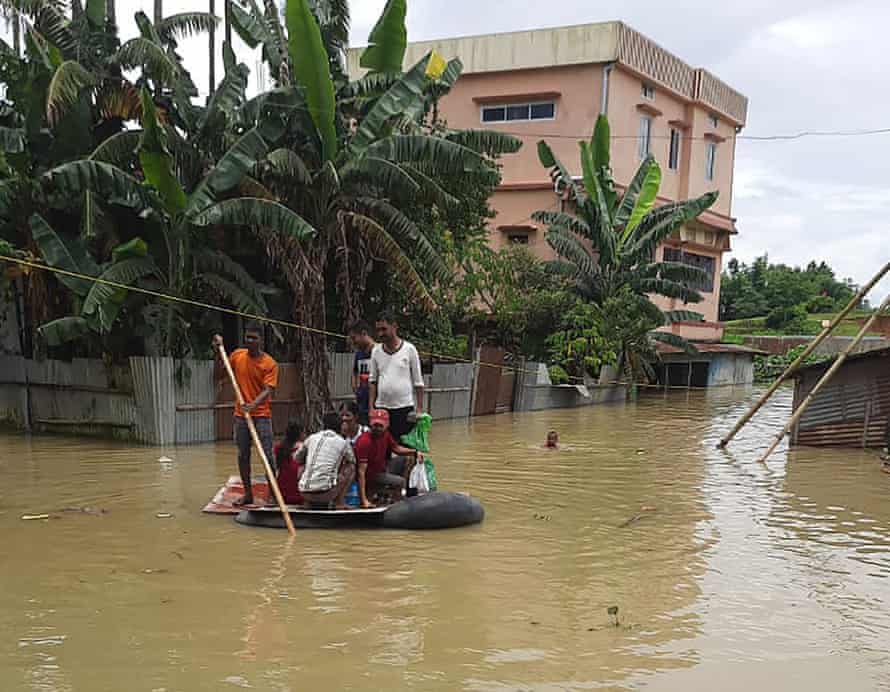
784, 295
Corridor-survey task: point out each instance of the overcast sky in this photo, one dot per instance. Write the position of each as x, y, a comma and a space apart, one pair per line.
804, 65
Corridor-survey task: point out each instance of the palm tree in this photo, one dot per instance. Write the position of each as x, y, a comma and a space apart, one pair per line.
348, 159
607, 245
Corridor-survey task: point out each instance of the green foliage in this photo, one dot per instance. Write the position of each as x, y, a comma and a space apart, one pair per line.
606, 245
388, 39
790, 320
558, 375
579, 347
768, 368
156, 160
310, 61
754, 290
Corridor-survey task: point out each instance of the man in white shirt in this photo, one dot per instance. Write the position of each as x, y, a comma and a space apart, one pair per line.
329, 466
396, 380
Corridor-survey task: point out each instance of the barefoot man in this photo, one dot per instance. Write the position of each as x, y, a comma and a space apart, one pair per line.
257, 375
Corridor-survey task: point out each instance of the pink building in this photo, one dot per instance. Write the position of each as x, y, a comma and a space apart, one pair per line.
553, 83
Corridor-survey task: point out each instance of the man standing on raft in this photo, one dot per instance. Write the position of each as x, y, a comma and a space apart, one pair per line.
256, 373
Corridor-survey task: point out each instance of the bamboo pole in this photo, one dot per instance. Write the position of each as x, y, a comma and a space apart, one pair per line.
826, 378
273, 483
743, 421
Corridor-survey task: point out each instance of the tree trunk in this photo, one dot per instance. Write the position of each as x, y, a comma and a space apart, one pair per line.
303, 268
313, 357
211, 38
159, 12
350, 285
110, 13
227, 22
17, 34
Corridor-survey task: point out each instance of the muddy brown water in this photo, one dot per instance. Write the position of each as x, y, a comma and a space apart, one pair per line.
727, 574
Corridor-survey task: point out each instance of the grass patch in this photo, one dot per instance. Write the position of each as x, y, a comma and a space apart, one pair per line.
756, 326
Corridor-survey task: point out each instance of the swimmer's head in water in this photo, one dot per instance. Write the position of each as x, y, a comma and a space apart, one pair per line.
552, 438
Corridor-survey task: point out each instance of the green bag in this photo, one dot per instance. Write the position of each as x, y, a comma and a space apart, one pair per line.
431, 476
419, 437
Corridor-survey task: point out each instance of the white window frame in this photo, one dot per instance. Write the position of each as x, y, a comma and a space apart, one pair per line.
647, 91
710, 160
644, 140
505, 106
679, 139
713, 120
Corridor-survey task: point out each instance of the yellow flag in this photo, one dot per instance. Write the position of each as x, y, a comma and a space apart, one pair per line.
435, 68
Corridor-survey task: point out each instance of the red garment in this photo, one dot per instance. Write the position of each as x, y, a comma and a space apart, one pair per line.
372, 451
289, 476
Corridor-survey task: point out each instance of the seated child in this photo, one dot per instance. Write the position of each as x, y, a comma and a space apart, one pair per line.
289, 469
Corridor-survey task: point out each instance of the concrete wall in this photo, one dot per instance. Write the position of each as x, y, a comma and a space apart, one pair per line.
780, 345
534, 391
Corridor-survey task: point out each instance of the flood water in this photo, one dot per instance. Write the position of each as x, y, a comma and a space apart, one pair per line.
727, 574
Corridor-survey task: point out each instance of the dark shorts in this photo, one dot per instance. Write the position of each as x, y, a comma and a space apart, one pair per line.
387, 481
245, 442
399, 423
396, 466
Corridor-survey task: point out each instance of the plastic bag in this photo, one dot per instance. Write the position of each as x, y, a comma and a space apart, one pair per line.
418, 479
431, 477
419, 437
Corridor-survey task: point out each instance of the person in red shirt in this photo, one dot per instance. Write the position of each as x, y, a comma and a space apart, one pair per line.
370, 453
289, 468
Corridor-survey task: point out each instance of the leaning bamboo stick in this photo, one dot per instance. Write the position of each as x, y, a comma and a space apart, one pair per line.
743, 421
273, 483
826, 378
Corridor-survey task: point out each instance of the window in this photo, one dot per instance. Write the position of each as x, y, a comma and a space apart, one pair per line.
713, 120
497, 114
645, 139
543, 111
518, 238
674, 152
519, 112
672, 254
703, 262
710, 160
648, 92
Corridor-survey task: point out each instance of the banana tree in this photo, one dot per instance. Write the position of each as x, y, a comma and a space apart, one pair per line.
349, 166
173, 222
606, 244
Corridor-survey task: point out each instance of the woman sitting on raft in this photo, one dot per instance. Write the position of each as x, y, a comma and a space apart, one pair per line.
289, 469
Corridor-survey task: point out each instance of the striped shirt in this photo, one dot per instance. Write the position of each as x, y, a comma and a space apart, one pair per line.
323, 453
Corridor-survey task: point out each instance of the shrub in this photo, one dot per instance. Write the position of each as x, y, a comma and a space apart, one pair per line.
793, 320
558, 375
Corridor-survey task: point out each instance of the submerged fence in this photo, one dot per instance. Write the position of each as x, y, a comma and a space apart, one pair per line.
161, 401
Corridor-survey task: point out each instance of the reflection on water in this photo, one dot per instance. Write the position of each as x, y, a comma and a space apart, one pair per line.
727, 574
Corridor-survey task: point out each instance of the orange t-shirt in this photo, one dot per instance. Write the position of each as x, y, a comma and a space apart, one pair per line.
253, 375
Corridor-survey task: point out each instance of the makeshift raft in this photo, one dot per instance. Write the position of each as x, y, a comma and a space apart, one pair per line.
438, 510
